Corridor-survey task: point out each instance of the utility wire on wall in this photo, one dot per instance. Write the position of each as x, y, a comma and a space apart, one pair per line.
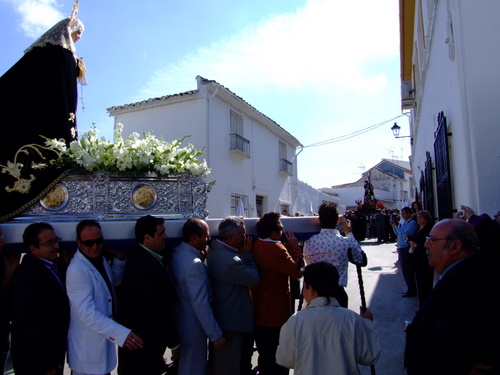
351, 135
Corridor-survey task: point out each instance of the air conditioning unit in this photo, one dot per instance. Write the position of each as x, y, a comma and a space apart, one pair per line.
407, 95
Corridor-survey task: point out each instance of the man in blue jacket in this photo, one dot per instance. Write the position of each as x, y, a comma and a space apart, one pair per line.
232, 270
407, 228
194, 316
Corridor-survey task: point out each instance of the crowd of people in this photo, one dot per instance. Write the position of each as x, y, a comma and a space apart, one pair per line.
213, 302
452, 267
210, 305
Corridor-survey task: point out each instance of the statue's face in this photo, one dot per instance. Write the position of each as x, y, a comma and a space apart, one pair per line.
76, 35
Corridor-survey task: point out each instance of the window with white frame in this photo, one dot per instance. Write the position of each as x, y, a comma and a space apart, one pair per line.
259, 205
239, 205
286, 166
237, 141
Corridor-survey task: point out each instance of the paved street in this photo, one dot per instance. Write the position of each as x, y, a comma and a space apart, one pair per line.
383, 287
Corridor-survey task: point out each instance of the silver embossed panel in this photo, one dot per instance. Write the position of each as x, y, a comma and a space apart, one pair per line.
104, 196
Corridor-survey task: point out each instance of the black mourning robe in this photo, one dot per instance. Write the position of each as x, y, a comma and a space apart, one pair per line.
38, 96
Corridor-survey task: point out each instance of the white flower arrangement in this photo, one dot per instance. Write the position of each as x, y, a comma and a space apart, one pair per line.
133, 155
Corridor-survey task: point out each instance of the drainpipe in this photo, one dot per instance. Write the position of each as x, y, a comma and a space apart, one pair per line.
208, 123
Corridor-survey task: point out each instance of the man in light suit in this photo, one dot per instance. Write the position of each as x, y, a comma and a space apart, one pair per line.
40, 306
148, 301
194, 315
90, 284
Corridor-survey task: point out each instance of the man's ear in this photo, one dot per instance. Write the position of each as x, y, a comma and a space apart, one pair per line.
455, 247
33, 250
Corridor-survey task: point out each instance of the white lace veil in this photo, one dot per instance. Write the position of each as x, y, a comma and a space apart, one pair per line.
60, 35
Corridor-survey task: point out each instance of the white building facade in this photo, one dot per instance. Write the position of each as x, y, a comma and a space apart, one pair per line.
252, 158
391, 179
449, 73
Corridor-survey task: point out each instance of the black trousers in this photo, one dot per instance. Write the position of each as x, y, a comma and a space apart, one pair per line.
408, 269
267, 340
146, 361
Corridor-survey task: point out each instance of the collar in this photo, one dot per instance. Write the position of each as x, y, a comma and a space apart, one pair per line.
329, 230
230, 248
321, 302
407, 221
450, 267
94, 261
46, 262
155, 255
268, 240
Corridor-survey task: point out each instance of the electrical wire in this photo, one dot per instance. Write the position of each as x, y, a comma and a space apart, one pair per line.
351, 135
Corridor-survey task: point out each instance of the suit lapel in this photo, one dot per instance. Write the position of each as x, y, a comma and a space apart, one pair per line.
94, 271
49, 276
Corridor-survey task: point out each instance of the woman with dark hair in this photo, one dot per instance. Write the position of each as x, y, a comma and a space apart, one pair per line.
38, 97
424, 274
416, 207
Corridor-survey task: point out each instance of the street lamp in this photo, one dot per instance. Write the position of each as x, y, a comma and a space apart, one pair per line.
358, 201
395, 130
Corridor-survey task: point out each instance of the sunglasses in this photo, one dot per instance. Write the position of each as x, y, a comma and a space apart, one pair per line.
90, 243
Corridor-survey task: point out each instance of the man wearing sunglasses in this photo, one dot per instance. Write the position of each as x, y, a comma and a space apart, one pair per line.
90, 282
40, 306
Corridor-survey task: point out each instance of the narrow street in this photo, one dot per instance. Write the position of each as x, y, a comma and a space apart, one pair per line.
383, 286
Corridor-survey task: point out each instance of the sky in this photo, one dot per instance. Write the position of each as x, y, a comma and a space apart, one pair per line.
321, 69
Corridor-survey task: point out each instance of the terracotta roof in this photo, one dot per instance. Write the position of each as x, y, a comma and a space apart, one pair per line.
151, 100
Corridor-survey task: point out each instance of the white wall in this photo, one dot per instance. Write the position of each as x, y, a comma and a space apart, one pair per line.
206, 117
308, 196
466, 90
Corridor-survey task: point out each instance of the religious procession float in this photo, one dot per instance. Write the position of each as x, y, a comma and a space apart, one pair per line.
113, 182
49, 173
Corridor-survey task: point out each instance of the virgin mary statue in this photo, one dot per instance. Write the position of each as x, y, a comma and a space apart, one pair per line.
38, 98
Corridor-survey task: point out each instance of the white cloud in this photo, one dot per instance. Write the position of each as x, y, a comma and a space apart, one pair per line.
336, 58
326, 44
37, 16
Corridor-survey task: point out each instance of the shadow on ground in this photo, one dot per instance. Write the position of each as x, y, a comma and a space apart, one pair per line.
383, 285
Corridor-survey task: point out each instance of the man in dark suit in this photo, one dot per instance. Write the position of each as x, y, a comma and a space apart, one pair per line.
380, 226
148, 302
40, 306
457, 329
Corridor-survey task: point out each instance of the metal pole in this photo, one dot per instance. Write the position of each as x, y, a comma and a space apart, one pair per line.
363, 263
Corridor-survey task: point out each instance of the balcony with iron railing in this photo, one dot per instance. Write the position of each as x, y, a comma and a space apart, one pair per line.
239, 145
286, 167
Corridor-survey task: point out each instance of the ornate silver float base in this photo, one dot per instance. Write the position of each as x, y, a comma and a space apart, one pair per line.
103, 196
